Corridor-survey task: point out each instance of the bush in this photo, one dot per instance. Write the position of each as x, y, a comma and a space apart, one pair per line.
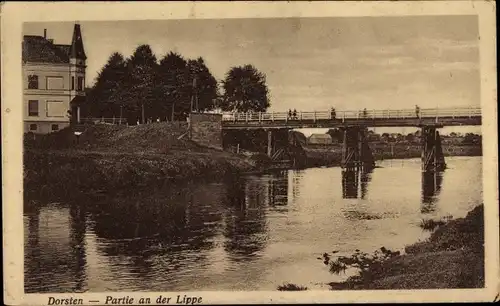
367, 265
456, 234
430, 225
291, 287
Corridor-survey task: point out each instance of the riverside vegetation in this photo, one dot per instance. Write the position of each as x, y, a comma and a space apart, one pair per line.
452, 257
114, 157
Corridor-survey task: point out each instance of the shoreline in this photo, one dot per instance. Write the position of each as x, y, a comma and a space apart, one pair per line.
451, 258
114, 157
100, 170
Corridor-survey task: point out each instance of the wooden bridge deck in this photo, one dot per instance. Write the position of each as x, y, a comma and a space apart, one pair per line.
368, 118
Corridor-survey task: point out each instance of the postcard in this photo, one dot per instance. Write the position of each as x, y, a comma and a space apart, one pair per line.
185, 153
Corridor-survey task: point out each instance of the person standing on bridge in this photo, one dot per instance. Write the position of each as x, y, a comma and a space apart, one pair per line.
295, 114
289, 114
333, 114
417, 111
365, 113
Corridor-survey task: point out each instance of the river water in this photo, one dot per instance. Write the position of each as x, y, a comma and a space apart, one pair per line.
254, 233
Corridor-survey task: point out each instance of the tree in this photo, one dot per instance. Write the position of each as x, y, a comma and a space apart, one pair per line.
204, 89
138, 87
101, 98
336, 134
172, 81
471, 138
245, 89
410, 137
185, 85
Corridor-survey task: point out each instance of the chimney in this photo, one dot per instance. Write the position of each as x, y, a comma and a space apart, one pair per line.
45, 33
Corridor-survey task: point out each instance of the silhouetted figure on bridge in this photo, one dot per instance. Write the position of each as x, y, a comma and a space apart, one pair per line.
417, 111
289, 114
365, 113
333, 114
295, 114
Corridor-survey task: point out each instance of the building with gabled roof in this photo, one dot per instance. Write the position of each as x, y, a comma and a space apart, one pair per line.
53, 82
319, 139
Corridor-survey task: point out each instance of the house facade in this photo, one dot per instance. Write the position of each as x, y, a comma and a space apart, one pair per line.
53, 82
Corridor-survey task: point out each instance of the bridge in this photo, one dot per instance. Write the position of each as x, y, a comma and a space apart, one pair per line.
459, 116
356, 151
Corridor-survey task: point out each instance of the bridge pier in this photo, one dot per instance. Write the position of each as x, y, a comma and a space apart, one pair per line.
432, 151
356, 152
270, 144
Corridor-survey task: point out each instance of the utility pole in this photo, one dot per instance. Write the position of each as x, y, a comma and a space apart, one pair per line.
194, 96
121, 113
142, 106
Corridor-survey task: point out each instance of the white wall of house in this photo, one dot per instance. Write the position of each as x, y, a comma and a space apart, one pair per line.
58, 84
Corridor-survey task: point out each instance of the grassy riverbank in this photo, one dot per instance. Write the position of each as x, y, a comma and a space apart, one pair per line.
453, 257
111, 157
331, 155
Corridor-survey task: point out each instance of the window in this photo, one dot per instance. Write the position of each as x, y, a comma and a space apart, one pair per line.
56, 109
55, 83
55, 127
80, 84
33, 127
33, 108
72, 83
33, 82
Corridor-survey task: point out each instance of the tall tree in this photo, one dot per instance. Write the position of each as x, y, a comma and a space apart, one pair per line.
203, 84
101, 97
245, 89
138, 88
172, 79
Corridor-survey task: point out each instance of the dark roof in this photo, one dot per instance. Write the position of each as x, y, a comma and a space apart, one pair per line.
76, 49
39, 49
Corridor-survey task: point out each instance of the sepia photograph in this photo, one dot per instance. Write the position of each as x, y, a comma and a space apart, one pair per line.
338, 153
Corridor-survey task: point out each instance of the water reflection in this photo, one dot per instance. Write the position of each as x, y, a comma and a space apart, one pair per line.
278, 189
296, 177
251, 233
55, 248
355, 183
245, 224
431, 187
151, 223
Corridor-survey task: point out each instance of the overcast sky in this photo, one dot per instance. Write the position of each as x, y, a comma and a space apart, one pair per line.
312, 63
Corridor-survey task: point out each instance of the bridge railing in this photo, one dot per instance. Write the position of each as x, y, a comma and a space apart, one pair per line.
358, 114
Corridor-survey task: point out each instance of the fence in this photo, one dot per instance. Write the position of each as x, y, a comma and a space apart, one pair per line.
104, 120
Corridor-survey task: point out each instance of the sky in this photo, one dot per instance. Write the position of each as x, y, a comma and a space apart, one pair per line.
311, 64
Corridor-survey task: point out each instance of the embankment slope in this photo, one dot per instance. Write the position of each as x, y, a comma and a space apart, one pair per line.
110, 157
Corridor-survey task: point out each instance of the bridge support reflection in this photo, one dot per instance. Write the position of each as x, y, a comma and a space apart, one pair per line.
356, 152
431, 187
355, 182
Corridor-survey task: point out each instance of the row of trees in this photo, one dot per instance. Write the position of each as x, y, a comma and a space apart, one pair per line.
141, 88
468, 138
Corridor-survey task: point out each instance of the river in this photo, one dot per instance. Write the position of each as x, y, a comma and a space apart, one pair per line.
254, 233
